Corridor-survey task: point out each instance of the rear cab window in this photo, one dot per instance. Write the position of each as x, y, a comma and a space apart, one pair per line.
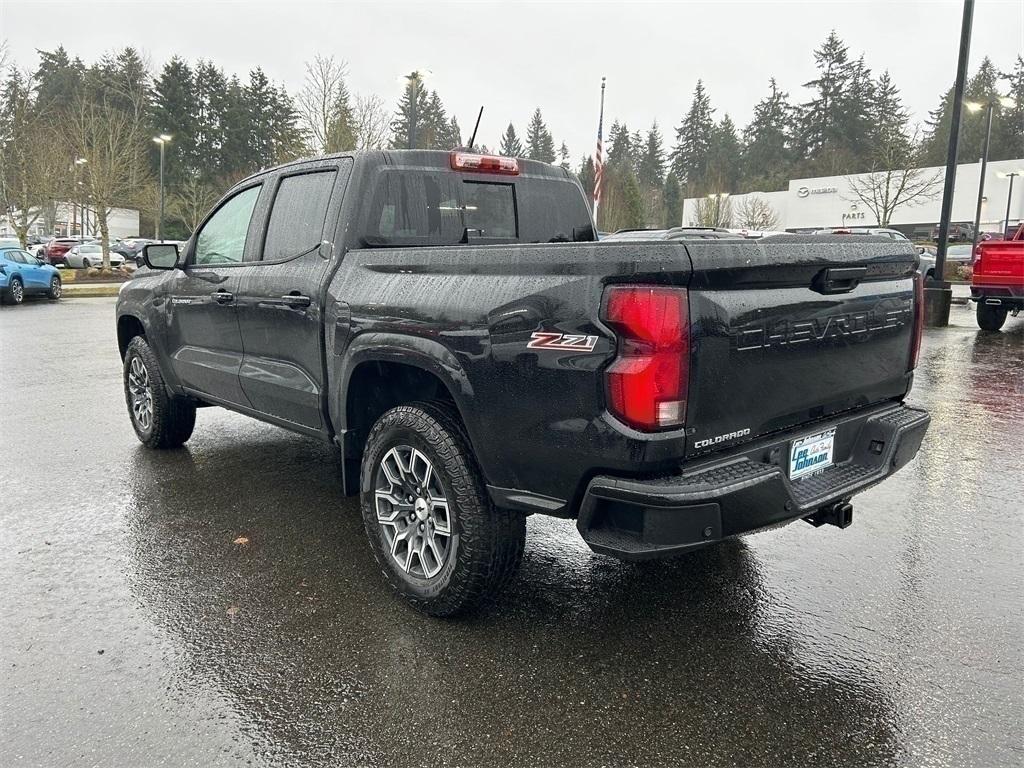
432, 208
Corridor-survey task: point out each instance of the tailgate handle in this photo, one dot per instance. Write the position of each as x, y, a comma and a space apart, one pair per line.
838, 279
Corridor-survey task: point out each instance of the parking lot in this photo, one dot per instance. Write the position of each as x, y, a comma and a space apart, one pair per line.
219, 605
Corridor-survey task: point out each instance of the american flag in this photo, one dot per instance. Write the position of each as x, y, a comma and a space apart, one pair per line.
598, 160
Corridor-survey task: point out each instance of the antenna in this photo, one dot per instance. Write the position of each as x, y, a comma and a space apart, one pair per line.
472, 139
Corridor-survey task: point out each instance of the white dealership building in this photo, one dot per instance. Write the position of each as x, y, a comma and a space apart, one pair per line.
74, 219
830, 201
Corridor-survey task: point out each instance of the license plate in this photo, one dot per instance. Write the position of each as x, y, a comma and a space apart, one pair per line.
811, 454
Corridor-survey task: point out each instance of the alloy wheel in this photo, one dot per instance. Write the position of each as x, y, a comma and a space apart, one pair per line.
413, 511
17, 291
55, 288
141, 396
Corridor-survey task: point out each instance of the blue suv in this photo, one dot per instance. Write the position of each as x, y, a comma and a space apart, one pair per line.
21, 274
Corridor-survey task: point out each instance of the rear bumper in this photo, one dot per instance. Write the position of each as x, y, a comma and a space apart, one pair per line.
1009, 295
747, 489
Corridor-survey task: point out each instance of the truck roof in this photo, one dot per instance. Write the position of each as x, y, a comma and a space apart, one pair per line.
419, 158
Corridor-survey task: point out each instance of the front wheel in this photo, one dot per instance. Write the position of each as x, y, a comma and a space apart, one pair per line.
159, 420
990, 316
16, 291
432, 528
55, 288
86, 264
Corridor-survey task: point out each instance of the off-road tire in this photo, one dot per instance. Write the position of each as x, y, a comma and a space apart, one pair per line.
173, 418
990, 317
487, 545
56, 289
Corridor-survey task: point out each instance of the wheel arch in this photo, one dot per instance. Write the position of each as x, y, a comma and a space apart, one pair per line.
128, 327
389, 370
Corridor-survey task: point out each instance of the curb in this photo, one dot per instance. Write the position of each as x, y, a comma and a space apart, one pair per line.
89, 291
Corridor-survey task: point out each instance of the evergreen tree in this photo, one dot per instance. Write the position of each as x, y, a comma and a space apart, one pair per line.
823, 120
767, 140
935, 144
724, 158
673, 202
632, 209
586, 176
693, 140
209, 121
889, 145
857, 122
435, 124
173, 112
235, 151
539, 144
411, 116
1008, 133
620, 146
58, 79
453, 134
510, 144
651, 163
563, 156
980, 89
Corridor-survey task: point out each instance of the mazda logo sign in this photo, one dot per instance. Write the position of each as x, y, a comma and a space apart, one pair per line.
803, 192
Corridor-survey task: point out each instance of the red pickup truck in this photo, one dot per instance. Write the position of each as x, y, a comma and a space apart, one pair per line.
998, 281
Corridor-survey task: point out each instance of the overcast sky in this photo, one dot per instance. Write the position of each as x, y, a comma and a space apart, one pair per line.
514, 56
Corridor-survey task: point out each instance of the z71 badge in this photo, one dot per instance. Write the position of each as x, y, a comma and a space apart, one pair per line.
569, 342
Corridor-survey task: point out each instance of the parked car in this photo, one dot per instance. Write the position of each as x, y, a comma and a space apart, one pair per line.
22, 274
56, 247
452, 324
90, 255
926, 264
997, 283
131, 247
958, 232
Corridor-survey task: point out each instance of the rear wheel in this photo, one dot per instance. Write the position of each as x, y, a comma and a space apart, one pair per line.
432, 528
990, 316
159, 420
55, 288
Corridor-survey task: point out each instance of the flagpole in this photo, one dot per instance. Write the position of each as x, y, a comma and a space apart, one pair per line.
599, 166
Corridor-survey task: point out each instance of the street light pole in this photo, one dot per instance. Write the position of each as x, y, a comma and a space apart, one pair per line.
939, 295
1009, 196
990, 107
162, 139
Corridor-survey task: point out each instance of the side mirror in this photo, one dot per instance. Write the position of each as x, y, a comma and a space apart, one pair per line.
160, 255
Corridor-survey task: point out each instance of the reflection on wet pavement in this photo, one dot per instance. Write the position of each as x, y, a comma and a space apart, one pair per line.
897, 641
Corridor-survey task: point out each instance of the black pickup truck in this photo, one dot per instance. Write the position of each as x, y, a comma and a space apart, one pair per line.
451, 323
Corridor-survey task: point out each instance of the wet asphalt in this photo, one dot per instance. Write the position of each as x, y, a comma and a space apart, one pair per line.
136, 631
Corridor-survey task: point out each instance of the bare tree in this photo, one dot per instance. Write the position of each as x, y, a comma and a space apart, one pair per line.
324, 106
192, 202
371, 123
712, 211
884, 191
754, 212
107, 138
32, 165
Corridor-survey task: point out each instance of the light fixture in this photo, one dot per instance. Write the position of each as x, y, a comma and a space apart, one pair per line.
974, 106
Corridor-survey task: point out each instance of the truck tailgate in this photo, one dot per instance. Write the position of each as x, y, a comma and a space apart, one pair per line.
789, 330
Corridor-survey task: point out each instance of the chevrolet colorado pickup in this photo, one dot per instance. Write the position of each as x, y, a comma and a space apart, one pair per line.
450, 322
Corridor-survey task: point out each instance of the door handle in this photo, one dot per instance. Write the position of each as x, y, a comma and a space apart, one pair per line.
295, 300
223, 297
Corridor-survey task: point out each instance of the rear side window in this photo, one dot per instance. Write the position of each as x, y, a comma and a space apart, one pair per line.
222, 238
300, 211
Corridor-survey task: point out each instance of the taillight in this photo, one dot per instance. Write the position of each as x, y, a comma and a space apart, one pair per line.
648, 381
465, 161
915, 341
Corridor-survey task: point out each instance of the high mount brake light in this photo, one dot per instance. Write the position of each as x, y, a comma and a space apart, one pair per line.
915, 341
465, 161
648, 381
